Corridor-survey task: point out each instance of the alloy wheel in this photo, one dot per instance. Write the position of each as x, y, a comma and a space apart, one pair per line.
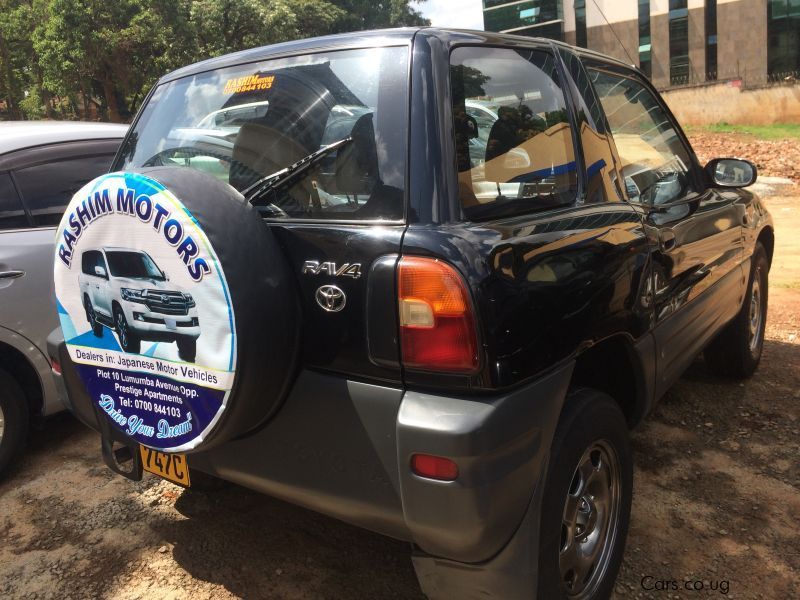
756, 314
122, 330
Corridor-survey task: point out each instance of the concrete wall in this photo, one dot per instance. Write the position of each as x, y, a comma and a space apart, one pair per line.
742, 39
659, 55
697, 43
724, 102
603, 39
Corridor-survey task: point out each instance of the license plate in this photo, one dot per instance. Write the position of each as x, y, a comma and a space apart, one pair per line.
171, 324
171, 467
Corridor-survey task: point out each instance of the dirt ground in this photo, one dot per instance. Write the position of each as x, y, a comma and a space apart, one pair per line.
777, 158
716, 502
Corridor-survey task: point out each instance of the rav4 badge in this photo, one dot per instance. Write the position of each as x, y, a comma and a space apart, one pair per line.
314, 267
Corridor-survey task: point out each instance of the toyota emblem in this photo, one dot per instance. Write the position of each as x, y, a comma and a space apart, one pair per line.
331, 298
165, 298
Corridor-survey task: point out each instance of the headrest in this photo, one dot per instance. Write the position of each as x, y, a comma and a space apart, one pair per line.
260, 150
357, 162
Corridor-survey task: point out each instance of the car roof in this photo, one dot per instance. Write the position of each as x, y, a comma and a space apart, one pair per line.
18, 135
374, 38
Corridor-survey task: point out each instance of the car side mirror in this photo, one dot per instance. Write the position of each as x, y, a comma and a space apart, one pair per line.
731, 172
100, 272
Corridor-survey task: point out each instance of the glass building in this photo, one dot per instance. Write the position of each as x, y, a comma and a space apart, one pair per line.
674, 42
535, 18
783, 50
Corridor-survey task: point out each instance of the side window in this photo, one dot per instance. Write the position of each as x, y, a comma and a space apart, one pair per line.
603, 182
12, 215
513, 139
47, 188
88, 262
655, 164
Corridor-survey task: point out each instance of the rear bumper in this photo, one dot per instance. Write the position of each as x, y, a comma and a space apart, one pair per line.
343, 448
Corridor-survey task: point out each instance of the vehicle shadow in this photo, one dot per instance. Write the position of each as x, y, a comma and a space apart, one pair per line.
259, 547
776, 356
59, 431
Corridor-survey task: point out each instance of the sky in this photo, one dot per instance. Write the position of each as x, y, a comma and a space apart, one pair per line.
461, 14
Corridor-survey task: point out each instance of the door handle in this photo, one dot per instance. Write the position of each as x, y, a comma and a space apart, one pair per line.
11, 274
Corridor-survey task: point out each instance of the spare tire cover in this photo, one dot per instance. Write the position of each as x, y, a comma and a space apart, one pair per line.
176, 305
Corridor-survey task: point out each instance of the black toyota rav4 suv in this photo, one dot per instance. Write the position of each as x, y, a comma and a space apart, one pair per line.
440, 275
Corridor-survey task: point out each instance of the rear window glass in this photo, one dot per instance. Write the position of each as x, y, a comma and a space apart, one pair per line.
12, 215
47, 188
246, 123
513, 139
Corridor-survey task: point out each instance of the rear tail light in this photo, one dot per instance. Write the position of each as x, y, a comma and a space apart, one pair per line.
55, 366
434, 467
437, 326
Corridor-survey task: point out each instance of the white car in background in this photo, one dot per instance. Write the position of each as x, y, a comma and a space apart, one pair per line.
42, 163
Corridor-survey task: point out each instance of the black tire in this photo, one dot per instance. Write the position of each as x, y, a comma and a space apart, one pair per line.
261, 306
128, 340
736, 351
187, 348
91, 317
15, 420
591, 432
267, 347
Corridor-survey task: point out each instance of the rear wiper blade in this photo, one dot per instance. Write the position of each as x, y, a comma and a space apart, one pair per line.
271, 182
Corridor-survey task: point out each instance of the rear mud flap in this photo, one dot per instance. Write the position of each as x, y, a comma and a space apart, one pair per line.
124, 460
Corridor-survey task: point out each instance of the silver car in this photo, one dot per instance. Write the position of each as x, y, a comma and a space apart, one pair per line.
41, 165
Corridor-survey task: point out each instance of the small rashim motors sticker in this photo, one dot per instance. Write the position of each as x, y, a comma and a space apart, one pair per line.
249, 83
145, 311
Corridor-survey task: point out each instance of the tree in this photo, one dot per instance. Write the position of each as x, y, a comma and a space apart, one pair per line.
111, 49
223, 26
17, 76
108, 54
377, 14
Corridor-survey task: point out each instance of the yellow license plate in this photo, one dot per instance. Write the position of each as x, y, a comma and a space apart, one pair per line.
171, 467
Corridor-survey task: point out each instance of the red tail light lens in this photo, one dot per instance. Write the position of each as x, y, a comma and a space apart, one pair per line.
434, 467
437, 327
55, 365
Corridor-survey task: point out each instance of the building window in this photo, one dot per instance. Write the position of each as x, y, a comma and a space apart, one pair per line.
711, 40
645, 63
678, 42
580, 23
783, 49
526, 17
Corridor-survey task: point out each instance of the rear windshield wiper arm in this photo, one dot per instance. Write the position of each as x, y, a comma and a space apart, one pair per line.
271, 182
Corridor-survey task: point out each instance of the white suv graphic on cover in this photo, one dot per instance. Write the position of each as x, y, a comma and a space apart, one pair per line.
145, 311
125, 290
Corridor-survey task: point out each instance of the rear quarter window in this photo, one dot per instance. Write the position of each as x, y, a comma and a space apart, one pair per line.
47, 188
12, 214
514, 143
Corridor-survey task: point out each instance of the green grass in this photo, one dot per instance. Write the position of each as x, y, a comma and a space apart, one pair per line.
779, 131
789, 285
